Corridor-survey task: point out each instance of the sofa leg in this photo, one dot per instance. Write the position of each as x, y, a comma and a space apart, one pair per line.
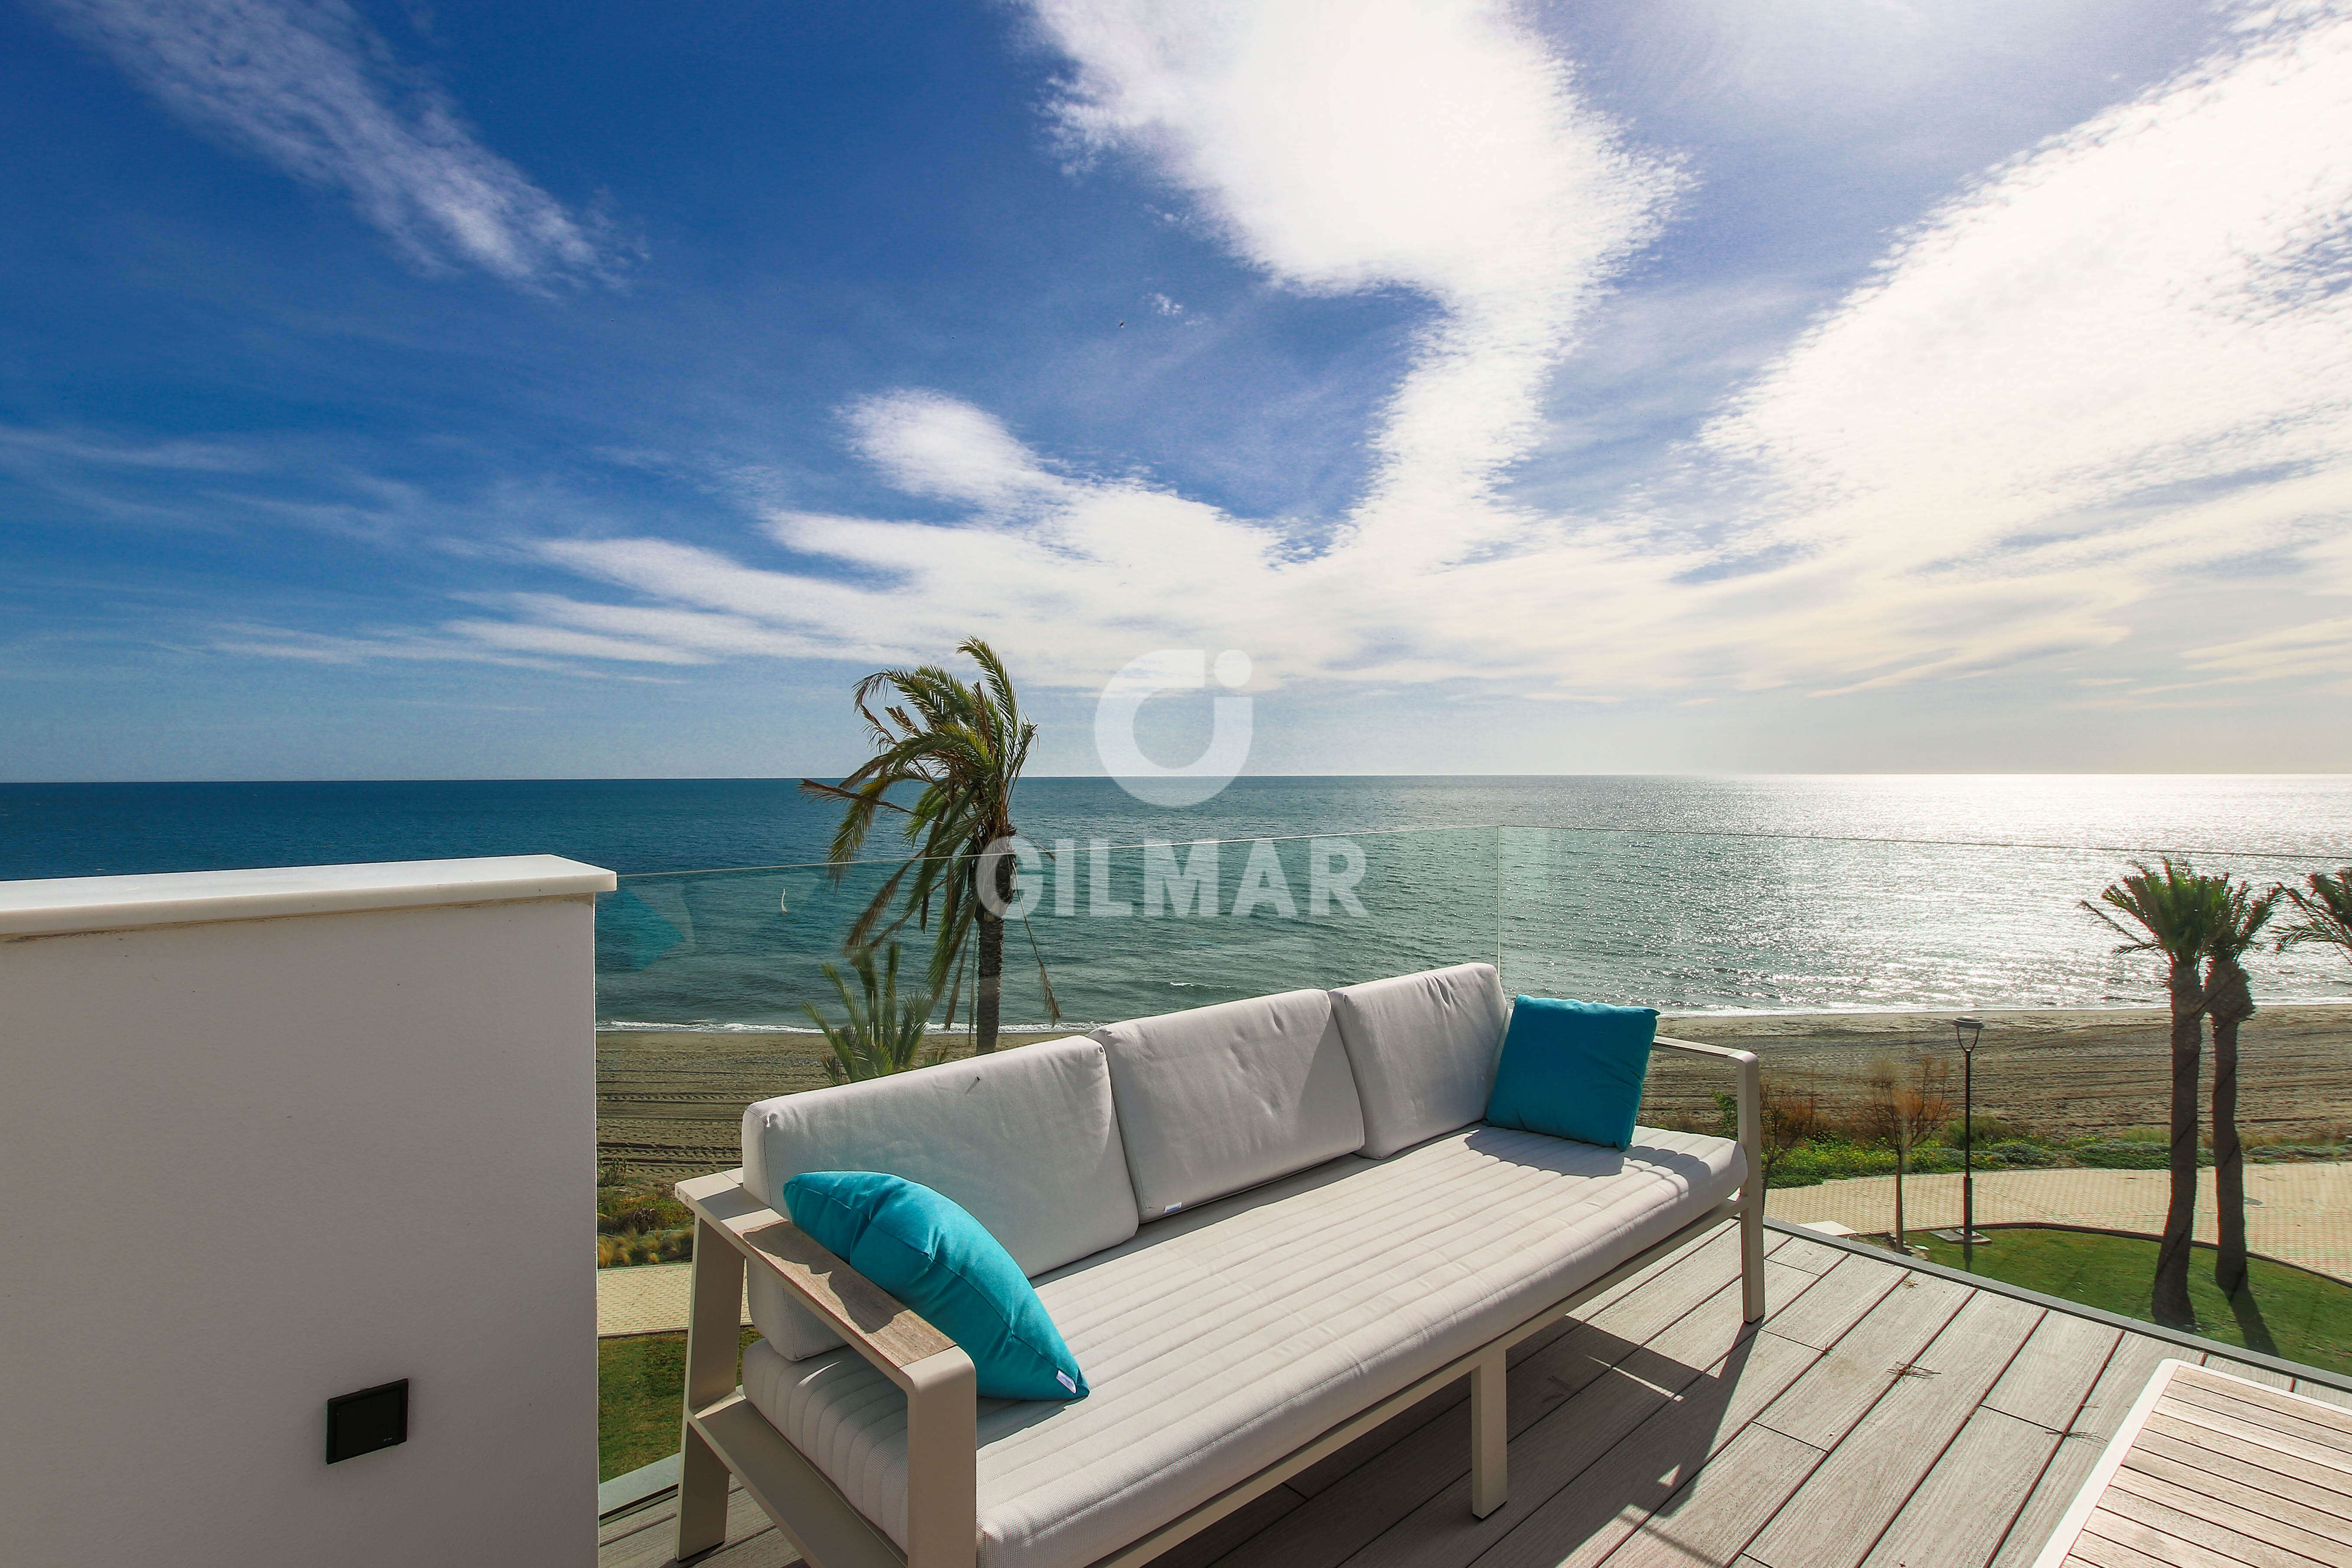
701, 1498
1490, 1434
1751, 1191
713, 1336
1751, 1259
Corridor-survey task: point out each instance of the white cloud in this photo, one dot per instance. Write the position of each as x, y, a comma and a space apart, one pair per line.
933, 446
1387, 144
310, 85
2120, 362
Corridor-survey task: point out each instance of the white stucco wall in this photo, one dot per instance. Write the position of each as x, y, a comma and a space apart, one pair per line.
261, 1156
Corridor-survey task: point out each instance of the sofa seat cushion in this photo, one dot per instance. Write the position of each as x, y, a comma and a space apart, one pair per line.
1219, 1340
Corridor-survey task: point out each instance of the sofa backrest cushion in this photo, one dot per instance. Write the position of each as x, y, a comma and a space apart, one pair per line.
1223, 1097
1024, 1140
1423, 1048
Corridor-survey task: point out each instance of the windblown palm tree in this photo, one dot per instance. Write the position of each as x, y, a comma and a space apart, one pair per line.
2173, 913
2230, 1000
2322, 908
965, 743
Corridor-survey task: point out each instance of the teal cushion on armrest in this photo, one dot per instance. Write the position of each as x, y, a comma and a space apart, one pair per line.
932, 1254
1573, 1069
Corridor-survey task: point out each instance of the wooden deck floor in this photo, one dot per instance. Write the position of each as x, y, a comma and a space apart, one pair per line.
1882, 1418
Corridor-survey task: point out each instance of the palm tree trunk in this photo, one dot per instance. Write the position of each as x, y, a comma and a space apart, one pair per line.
2232, 1001
2170, 1301
988, 999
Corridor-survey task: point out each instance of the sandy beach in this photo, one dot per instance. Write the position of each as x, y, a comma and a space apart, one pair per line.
669, 1102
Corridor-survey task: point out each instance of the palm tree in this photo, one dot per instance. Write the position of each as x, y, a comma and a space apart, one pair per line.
884, 1035
965, 743
2323, 909
2229, 999
2173, 913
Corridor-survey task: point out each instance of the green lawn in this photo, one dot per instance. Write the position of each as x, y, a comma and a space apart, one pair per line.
640, 1399
2301, 1316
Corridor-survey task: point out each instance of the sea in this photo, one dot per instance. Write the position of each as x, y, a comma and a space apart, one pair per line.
1742, 894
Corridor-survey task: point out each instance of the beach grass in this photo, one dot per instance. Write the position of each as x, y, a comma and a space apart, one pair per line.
640, 1394
2292, 1313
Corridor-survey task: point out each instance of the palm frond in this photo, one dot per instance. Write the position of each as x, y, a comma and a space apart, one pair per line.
2323, 907
961, 745
884, 1033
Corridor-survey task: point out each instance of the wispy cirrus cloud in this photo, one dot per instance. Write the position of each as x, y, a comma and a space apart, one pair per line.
311, 86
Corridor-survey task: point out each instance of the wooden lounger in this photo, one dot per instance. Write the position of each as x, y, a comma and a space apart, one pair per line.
2213, 1470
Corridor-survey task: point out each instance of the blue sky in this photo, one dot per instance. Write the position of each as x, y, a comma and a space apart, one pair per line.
598, 390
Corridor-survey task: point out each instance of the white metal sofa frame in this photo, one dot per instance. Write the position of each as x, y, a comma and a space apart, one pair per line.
725, 1434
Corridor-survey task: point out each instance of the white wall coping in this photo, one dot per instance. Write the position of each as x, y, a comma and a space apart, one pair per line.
57, 905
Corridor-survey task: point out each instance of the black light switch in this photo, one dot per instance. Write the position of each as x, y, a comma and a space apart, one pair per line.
363, 1422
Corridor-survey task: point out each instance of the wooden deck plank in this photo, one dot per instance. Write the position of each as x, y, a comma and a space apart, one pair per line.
2224, 1544
2266, 1522
2191, 1436
2099, 1554
1558, 1449
2246, 1370
1717, 1258
2187, 1422
2129, 1367
1721, 1506
1810, 1255
2324, 1425
2105, 1524
1346, 1515
2047, 1382
1863, 1365
1868, 1477
1845, 1295
2326, 1394
1584, 1522
2184, 1401
1880, 1418
643, 1539
1252, 1519
2161, 1454
1961, 1512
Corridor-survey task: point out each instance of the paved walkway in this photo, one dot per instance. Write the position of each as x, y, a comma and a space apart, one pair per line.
646, 1299
2305, 1217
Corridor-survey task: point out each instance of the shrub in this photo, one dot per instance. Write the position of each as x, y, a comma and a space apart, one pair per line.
644, 1247
2127, 1154
636, 1222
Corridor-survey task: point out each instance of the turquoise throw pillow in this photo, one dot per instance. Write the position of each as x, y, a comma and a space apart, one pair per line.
936, 1259
1573, 1069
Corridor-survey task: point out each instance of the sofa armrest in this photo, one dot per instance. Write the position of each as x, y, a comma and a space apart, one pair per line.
873, 1322
932, 1369
1751, 1143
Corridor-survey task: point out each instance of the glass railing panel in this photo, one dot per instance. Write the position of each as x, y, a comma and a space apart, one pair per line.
1843, 962
706, 981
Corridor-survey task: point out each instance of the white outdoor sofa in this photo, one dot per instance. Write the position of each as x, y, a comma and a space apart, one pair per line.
1263, 1227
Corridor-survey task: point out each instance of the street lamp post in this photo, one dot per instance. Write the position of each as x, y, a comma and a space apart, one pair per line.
1967, 1031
